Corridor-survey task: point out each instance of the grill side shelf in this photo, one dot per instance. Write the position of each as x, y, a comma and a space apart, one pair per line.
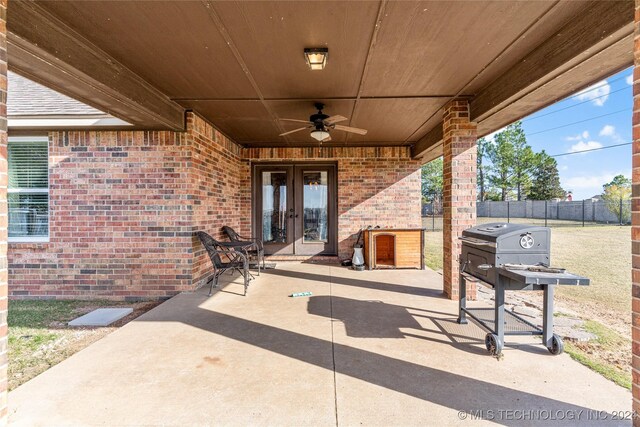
542, 278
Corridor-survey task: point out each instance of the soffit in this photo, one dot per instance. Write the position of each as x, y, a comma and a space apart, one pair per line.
392, 65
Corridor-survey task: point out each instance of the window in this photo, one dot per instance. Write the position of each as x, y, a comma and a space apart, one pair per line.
28, 191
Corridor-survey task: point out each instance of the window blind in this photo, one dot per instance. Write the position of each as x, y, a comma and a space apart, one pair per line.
28, 165
28, 190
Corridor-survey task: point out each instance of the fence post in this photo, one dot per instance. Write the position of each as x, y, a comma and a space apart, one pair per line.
583, 212
545, 213
433, 217
620, 212
508, 213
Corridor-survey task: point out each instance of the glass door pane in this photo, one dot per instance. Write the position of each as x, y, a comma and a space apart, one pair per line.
315, 207
315, 215
274, 207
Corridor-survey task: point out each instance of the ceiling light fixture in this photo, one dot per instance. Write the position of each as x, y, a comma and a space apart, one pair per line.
316, 57
319, 134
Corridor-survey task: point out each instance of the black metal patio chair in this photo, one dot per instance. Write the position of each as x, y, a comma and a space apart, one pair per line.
224, 259
256, 249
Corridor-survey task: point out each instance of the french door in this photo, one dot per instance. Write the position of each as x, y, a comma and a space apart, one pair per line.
295, 209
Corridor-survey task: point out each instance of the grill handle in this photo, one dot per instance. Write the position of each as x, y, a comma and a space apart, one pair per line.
476, 242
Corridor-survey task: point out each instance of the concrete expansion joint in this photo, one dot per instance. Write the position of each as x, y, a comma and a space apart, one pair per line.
333, 349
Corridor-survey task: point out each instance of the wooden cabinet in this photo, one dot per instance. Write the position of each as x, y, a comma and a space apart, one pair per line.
394, 248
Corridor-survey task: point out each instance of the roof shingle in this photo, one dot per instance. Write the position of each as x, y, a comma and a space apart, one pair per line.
27, 98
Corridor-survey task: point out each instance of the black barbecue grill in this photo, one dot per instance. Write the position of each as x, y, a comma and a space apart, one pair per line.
511, 257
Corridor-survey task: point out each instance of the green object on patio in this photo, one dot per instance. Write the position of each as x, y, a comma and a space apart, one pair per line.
300, 294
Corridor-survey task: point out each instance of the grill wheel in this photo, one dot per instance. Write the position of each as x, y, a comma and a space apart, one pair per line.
493, 344
557, 346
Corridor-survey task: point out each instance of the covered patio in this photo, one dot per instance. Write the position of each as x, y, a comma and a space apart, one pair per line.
209, 92
368, 348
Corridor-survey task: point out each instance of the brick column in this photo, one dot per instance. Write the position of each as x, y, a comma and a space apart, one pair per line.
459, 201
3, 213
635, 220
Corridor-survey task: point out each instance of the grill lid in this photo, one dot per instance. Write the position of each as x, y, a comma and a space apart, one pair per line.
496, 231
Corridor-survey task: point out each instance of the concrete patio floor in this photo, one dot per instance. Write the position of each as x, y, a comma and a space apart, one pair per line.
368, 348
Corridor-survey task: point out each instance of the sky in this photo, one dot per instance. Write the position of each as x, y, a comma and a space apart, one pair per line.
598, 116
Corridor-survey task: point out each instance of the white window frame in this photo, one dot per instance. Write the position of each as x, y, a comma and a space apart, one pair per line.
32, 239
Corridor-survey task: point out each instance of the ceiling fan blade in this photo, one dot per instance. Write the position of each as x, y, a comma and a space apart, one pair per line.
335, 119
295, 120
295, 130
350, 129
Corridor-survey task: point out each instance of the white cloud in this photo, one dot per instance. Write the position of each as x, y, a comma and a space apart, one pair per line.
589, 185
610, 131
590, 182
564, 168
597, 94
582, 146
629, 79
579, 137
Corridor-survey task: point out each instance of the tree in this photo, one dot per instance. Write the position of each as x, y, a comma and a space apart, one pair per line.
546, 180
522, 160
492, 195
482, 153
618, 181
616, 195
432, 181
500, 153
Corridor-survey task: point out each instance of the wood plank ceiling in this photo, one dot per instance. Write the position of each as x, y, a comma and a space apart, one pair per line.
391, 67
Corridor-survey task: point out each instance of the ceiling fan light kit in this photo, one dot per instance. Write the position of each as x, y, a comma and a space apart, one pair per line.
316, 57
319, 134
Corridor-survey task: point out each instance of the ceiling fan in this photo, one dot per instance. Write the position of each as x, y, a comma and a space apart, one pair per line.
322, 124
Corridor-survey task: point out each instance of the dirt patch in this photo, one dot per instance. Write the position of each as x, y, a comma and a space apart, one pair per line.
619, 322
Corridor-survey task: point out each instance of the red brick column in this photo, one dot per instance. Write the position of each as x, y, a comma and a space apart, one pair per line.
3, 213
635, 221
459, 201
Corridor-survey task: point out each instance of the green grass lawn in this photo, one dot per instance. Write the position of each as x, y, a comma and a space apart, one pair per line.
602, 253
40, 338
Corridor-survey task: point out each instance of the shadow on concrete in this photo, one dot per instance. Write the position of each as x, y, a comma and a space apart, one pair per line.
368, 284
362, 317
365, 319
377, 319
423, 382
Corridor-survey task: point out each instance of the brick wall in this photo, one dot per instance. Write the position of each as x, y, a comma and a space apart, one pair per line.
376, 186
220, 188
120, 219
4, 360
459, 198
635, 221
123, 208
